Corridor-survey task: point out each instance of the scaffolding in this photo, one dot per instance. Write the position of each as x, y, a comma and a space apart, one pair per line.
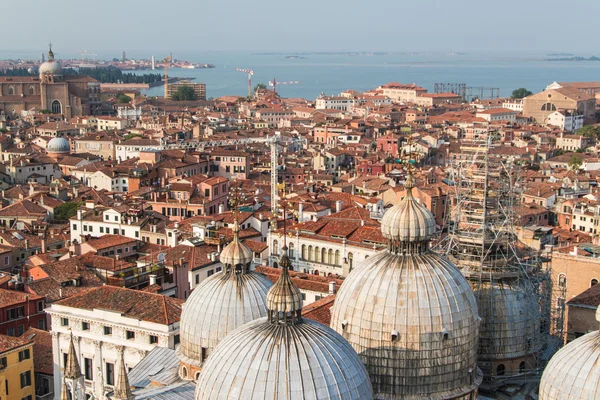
512, 282
468, 93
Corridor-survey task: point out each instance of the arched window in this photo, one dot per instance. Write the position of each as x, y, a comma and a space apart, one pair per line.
522, 367
500, 370
304, 252
31, 90
291, 250
330, 257
11, 91
184, 372
593, 282
56, 107
562, 280
311, 256
337, 257
275, 249
350, 260
548, 107
317, 254
323, 255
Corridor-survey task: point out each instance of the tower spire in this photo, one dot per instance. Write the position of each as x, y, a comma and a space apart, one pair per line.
122, 388
72, 369
50, 53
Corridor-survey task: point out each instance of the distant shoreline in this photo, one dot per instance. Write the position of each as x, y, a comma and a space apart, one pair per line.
574, 58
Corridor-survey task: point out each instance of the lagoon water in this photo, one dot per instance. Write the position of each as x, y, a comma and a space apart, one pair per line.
333, 73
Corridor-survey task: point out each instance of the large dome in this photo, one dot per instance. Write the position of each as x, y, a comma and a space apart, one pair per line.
58, 145
262, 360
51, 67
574, 372
284, 357
410, 315
220, 304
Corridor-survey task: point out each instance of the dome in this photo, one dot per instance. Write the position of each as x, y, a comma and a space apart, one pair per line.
283, 357
262, 360
51, 67
236, 253
510, 320
58, 145
573, 373
409, 220
411, 315
220, 304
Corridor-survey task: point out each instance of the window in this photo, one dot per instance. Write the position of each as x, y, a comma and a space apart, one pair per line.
197, 279
27, 397
562, 280
85, 326
3, 362
153, 339
56, 107
74, 227
500, 370
64, 322
107, 330
25, 379
40, 306
42, 324
176, 340
130, 335
10, 331
203, 354
88, 368
101, 229
593, 282
24, 355
110, 374
210, 273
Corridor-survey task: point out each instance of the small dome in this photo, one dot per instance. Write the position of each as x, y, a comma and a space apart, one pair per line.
284, 296
574, 371
58, 145
236, 253
220, 304
264, 360
408, 221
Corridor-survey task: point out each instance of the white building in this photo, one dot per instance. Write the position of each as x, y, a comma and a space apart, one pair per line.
566, 120
105, 321
131, 148
42, 170
498, 114
513, 104
334, 102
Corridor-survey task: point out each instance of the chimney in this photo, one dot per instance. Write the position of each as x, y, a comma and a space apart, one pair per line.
300, 212
213, 256
332, 289
152, 280
43, 245
338, 206
221, 208
26, 244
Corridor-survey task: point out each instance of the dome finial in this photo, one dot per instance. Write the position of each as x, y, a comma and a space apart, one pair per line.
50, 53
284, 299
236, 254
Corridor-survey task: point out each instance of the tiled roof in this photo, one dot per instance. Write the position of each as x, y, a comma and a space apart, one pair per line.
11, 342
107, 241
42, 350
23, 208
591, 297
12, 297
320, 310
131, 303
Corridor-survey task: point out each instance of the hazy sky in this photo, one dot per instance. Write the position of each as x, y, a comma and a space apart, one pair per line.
309, 25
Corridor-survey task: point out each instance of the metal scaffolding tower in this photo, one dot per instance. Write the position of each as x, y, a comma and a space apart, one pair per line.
512, 282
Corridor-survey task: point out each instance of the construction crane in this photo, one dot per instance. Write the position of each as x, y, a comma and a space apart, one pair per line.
274, 142
250, 73
274, 84
166, 61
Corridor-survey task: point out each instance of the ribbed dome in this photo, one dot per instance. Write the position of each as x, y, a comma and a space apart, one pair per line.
413, 321
574, 371
408, 221
220, 304
510, 320
51, 67
236, 253
58, 145
284, 296
272, 361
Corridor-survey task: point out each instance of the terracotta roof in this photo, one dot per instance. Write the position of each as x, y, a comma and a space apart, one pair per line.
23, 208
107, 241
591, 297
42, 350
11, 342
130, 303
12, 297
320, 310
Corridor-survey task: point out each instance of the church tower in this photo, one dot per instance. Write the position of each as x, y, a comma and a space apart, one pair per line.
73, 378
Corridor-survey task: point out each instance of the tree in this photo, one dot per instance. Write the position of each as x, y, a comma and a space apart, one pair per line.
131, 136
184, 93
259, 86
66, 210
590, 131
123, 98
45, 111
575, 162
520, 93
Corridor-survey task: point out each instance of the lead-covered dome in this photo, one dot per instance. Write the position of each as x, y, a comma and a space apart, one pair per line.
411, 316
574, 371
409, 220
236, 253
219, 305
284, 357
58, 145
51, 67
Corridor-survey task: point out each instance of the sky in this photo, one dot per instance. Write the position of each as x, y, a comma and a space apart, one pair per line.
513, 26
